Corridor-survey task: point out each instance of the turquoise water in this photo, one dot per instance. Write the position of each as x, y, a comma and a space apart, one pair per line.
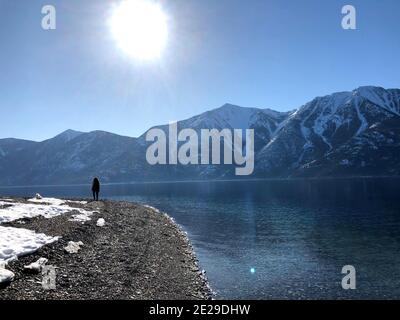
279, 239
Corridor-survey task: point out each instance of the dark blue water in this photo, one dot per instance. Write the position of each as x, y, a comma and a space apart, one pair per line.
294, 235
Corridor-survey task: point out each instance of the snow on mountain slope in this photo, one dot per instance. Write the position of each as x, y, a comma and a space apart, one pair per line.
265, 122
374, 152
66, 136
230, 117
325, 124
387, 99
233, 117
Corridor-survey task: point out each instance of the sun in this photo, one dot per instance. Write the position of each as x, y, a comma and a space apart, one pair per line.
140, 28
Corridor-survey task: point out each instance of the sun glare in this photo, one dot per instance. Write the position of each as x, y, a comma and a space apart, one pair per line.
140, 28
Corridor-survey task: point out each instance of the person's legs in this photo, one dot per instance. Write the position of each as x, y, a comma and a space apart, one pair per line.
97, 196
94, 196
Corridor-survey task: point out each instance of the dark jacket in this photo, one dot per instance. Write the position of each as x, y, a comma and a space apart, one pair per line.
96, 185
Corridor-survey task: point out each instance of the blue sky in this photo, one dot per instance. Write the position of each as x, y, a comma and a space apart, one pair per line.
255, 53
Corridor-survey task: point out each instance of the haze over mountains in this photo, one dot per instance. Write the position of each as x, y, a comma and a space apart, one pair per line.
353, 133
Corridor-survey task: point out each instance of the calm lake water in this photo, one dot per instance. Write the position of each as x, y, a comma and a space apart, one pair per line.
279, 239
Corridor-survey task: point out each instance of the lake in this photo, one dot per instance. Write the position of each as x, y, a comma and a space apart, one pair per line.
278, 239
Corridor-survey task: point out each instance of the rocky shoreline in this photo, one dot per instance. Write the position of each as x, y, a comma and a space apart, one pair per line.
139, 253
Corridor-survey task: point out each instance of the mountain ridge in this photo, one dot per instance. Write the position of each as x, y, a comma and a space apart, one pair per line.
343, 134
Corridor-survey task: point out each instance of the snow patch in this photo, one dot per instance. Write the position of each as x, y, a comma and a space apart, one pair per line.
36, 267
53, 201
16, 242
6, 276
55, 208
101, 222
364, 123
82, 216
73, 247
345, 162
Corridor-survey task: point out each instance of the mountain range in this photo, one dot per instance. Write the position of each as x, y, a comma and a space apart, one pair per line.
346, 134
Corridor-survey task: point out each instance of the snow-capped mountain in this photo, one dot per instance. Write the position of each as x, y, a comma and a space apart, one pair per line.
327, 126
265, 122
344, 134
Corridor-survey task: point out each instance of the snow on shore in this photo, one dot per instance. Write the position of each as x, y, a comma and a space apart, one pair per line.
54, 201
15, 242
46, 207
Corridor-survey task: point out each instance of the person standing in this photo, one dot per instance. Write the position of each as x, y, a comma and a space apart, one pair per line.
96, 189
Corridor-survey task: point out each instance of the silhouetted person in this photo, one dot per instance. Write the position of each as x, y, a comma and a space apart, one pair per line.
96, 189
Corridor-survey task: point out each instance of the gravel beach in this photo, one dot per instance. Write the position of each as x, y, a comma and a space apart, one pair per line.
139, 253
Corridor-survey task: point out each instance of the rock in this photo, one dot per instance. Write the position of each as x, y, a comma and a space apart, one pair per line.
38, 196
36, 267
101, 222
73, 247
